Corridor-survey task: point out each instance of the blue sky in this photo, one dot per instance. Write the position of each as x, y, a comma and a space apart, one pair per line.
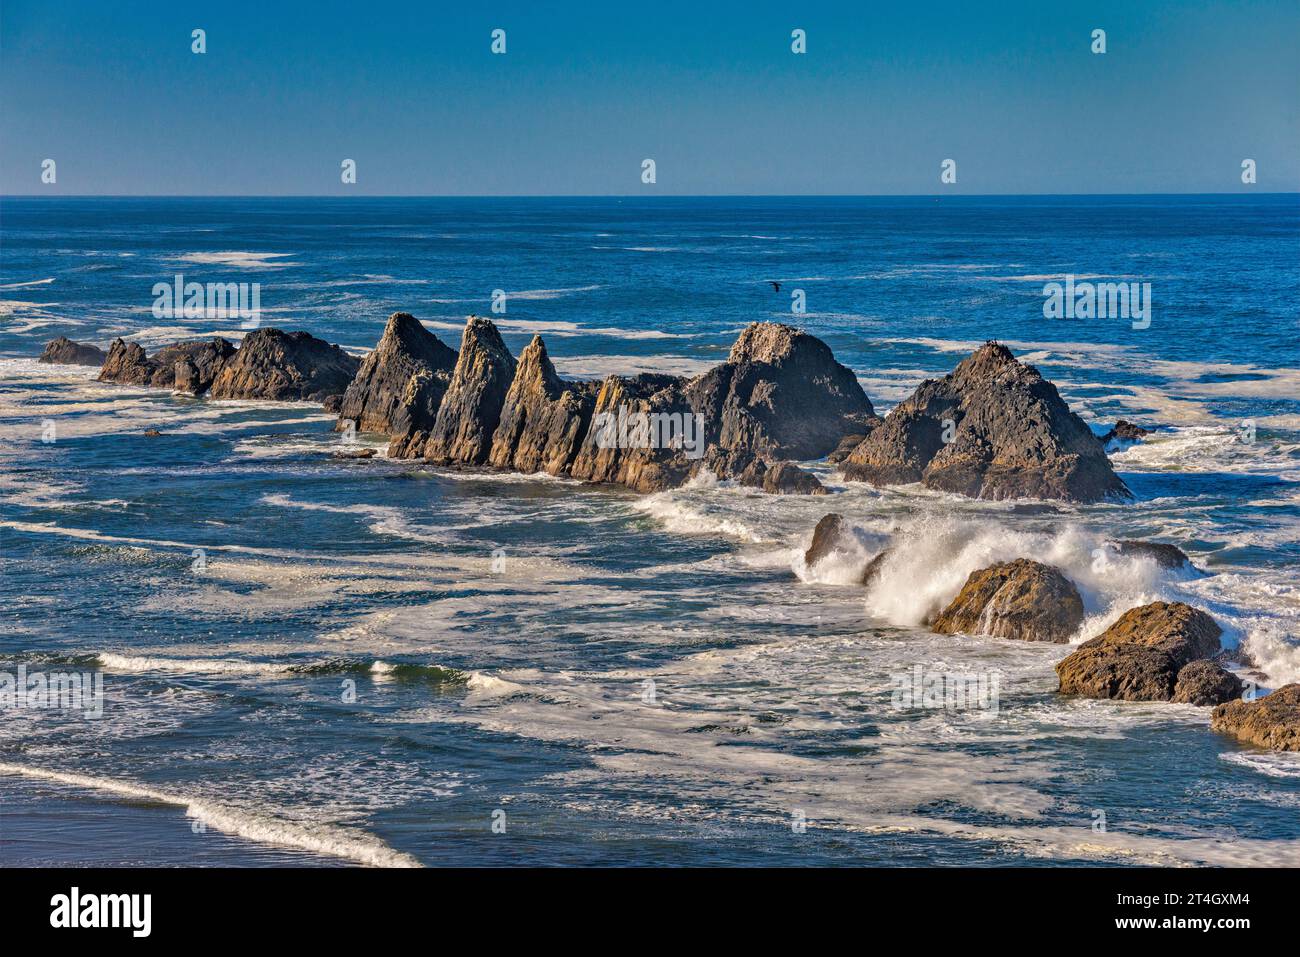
710, 91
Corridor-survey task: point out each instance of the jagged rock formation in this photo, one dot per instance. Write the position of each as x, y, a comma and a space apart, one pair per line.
400, 384
543, 419
779, 395
471, 408
621, 400
271, 364
1166, 556
63, 351
128, 364
186, 366
1009, 435
1272, 721
1206, 682
195, 370
1140, 656
1022, 599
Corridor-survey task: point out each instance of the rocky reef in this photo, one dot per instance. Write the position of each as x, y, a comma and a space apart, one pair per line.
268, 364
993, 428
1272, 721
779, 395
183, 366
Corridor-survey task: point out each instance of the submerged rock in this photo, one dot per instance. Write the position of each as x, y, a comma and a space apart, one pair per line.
1138, 658
993, 428
832, 534
1272, 721
1124, 433
1022, 599
400, 384
1166, 556
63, 351
782, 478
471, 408
873, 569
543, 419
1206, 682
271, 364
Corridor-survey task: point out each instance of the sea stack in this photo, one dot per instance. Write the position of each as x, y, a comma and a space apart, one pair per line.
400, 384
993, 428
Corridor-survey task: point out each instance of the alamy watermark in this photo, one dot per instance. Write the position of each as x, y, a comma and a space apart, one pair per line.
1100, 300
651, 430
56, 690
947, 691
215, 300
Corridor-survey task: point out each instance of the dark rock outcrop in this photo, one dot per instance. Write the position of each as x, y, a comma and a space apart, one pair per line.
1124, 433
1166, 556
1010, 436
195, 365
605, 457
400, 384
128, 364
780, 395
271, 364
471, 408
1206, 682
832, 534
781, 478
543, 419
187, 366
63, 351
845, 448
1138, 658
1021, 599
1272, 721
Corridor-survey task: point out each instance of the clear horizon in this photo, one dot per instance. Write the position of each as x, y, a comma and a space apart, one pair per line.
1184, 93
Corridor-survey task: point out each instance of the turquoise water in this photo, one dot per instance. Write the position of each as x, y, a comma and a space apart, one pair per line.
372, 661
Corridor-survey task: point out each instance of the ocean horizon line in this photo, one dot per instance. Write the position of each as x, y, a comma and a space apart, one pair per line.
649, 196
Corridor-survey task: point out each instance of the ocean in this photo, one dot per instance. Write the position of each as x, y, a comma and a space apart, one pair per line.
309, 660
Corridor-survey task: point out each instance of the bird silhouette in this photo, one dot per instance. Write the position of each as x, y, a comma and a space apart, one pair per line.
775, 285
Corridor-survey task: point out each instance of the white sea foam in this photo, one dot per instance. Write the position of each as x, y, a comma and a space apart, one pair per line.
238, 259
258, 826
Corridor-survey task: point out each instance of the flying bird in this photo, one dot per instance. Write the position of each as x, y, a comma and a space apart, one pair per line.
775, 285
